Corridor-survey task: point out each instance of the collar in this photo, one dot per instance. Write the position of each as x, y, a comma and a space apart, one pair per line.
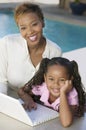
45, 96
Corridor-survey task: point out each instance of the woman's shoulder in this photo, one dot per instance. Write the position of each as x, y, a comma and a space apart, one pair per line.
51, 43
54, 48
10, 39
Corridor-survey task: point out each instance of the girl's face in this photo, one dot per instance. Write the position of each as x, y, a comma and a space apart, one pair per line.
55, 79
30, 27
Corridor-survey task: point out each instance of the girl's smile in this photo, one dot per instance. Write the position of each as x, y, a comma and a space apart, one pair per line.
55, 79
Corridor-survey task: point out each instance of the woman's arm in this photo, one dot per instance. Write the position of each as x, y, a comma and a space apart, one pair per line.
3, 66
3, 88
28, 101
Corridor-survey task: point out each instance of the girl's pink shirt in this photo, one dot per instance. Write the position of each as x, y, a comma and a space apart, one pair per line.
44, 93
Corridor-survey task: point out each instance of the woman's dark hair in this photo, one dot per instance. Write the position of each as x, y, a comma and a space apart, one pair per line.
72, 69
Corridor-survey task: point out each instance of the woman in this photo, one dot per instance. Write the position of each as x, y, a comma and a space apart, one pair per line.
21, 54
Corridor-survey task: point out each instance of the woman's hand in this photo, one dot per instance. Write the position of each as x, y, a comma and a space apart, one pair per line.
29, 103
27, 99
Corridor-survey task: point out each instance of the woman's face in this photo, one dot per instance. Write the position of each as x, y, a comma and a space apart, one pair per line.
30, 27
55, 79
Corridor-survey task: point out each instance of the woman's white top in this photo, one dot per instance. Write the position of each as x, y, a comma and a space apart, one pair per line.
16, 67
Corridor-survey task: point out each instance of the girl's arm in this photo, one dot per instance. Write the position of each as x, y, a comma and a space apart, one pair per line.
66, 115
28, 101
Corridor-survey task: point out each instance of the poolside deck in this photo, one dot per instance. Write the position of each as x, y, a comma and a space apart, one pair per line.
56, 13
53, 12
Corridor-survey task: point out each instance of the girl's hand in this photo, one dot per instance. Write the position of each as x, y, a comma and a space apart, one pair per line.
67, 86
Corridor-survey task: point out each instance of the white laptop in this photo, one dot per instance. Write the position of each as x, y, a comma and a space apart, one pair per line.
13, 108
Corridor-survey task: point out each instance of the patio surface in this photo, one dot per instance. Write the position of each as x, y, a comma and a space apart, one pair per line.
53, 12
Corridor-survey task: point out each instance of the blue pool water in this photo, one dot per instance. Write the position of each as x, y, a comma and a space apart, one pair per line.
67, 36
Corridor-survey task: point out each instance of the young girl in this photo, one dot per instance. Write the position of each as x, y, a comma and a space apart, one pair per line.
58, 85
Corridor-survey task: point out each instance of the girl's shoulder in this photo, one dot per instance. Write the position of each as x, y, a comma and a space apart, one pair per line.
73, 92
73, 97
39, 89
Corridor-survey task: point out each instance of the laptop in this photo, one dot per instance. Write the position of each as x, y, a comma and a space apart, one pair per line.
13, 108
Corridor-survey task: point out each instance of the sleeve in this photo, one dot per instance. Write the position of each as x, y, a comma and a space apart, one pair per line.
73, 97
3, 66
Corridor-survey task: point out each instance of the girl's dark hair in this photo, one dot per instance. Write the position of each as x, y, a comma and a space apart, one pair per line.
72, 69
28, 8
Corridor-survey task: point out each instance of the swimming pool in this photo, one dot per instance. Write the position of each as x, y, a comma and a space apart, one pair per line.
67, 36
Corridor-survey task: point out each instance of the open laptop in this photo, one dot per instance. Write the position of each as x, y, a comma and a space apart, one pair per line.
13, 108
